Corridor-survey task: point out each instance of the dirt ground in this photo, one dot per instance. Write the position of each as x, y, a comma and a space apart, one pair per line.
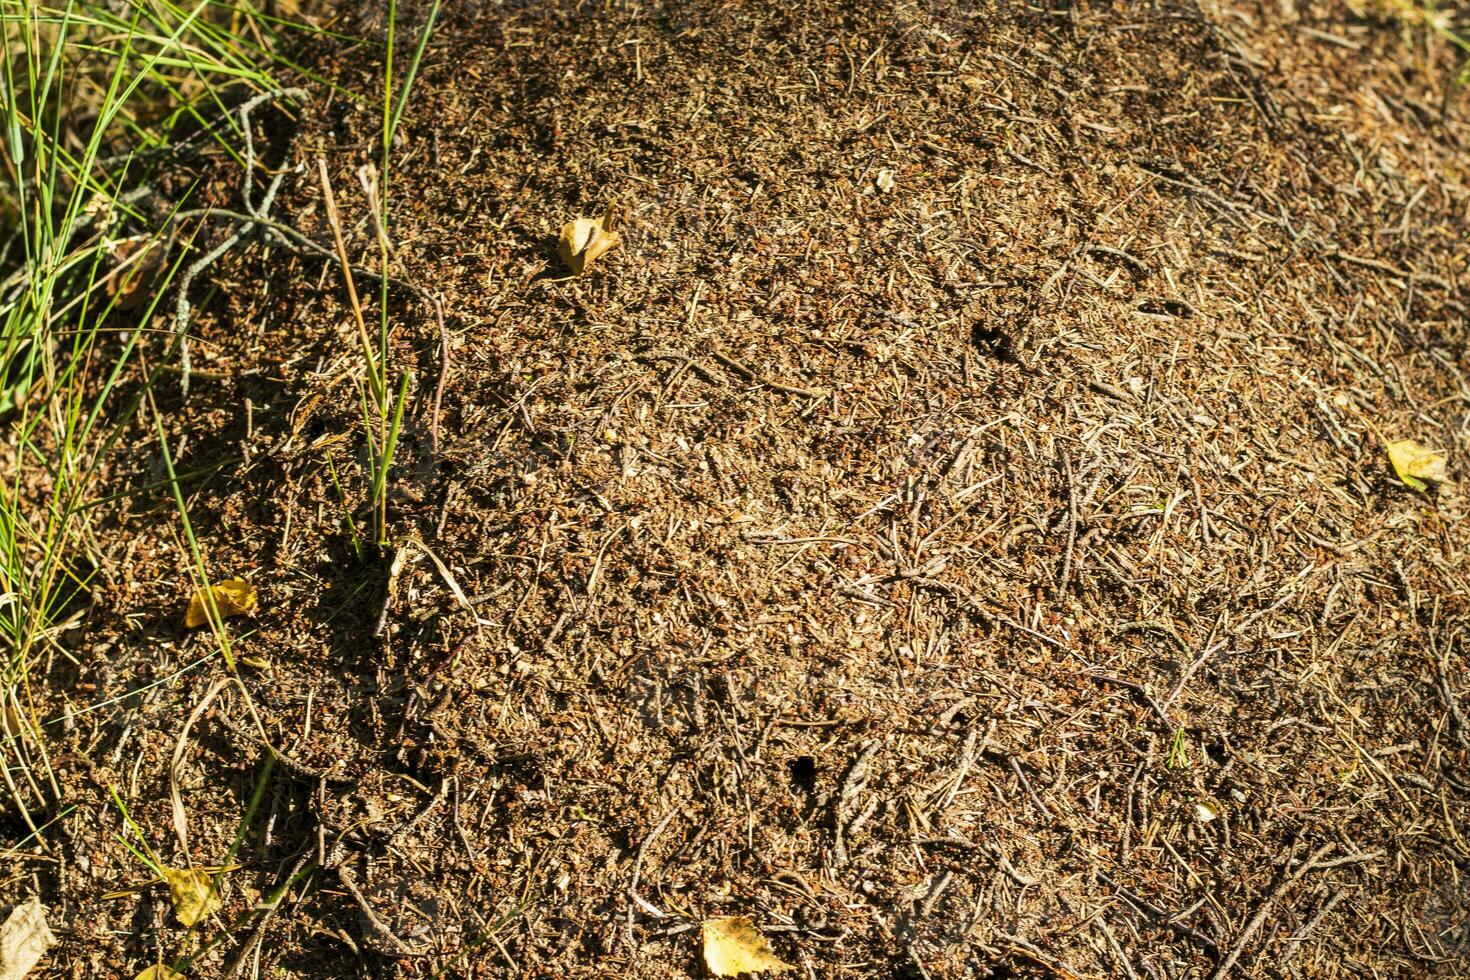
952, 529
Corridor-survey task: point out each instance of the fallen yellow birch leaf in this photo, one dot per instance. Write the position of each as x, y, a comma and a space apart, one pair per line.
159, 972
192, 892
733, 945
1416, 464
233, 597
584, 239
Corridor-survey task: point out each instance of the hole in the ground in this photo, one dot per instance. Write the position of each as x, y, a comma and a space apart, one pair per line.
803, 773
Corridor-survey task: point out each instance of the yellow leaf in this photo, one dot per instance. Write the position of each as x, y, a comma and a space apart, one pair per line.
193, 893
159, 972
1416, 464
733, 945
584, 239
233, 597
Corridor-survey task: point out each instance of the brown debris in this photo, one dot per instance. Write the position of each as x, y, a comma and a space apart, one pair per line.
896, 569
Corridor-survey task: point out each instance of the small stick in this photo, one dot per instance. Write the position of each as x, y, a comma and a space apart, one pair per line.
750, 375
1139, 267
1158, 914
1259, 919
258, 933
1294, 944
1040, 805
1102, 923
638, 869
334, 221
464, 838
1071, 528
443, 369
857, 779
401, 834
385, 941
254, 215
1462, 727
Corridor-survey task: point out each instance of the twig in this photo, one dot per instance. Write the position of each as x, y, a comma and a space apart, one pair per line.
852, 786
254, 215
286, 762
180, 818
1071, 528
401, 834
384, 940
1259, 919
443, 370
1158, 914
464, 838
1026, 783
334, 221
1462, 727
968, 603
268, 911
638, 900
1139, 267
1294, 944
1102, 923
750, 375
1140, 689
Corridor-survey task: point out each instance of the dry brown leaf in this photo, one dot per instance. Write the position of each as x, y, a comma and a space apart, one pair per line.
139, 263
233, 597
24, 938
13, 723
733, 946
192, 892
1416, 464
584, 239
159, 972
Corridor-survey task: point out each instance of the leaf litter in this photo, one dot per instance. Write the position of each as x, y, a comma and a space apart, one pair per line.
733, 945
193, 893
584, 240
1416, 464
232, 597
1006, 462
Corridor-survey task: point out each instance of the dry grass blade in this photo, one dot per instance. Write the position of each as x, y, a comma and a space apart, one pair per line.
176, 765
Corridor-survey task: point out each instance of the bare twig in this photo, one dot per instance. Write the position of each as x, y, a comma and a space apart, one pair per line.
1259, 919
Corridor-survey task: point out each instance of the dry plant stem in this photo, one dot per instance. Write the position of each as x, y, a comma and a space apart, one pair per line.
1259, 919
383, 940
1461, 725
334, 221
750, 375
25, 813
1158, 914
638, 900
28, 736
255, 214
845, 807
180, 816
237, 966
443, 370
401, 834
1298, 938
1066, 577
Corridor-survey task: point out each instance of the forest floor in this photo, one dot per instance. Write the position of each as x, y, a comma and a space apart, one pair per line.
952, 528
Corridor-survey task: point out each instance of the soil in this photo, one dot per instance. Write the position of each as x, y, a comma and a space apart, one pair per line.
952, 528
